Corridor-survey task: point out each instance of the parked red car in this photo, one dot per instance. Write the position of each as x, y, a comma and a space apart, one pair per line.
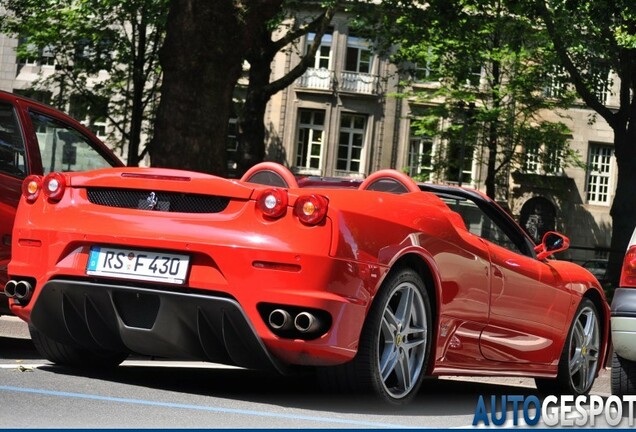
378, 286
36, 139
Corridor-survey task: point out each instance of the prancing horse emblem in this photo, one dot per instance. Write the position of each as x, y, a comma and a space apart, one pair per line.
152, 201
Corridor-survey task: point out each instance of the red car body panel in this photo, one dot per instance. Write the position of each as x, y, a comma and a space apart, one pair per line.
26, 141
496, 311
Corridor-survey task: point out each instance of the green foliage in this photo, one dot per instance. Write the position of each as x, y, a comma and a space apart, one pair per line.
87, 37
485, 52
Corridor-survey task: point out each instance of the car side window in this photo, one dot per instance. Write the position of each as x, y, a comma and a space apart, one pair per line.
63, 148
480, 224
12, 151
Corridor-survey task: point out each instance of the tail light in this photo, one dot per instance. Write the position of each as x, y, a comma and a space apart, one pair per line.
311, 209
628, 273
31, 187
54, 185
273, 202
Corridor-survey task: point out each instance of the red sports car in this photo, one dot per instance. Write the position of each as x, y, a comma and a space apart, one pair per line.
377, 285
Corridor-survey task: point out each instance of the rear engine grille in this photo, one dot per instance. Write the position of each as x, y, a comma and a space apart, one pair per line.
176, 202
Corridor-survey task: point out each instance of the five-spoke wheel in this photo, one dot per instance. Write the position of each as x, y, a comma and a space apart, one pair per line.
580, 357
402, 339
585, 342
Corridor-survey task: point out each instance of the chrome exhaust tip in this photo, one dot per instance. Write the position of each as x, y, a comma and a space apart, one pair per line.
9, 288
306, 322
280, 319
23, 290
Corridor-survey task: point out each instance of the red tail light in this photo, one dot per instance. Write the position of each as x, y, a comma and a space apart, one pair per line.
54, 185
311, 209
31, 187
273, 202
628, 273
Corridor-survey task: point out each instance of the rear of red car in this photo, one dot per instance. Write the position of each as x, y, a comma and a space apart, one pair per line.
623, 322
180, 264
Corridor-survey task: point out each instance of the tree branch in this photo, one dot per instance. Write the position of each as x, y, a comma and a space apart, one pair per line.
577, 79
313, 26
283, 82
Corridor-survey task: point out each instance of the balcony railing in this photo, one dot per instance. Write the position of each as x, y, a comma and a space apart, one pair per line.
319, 79
352, 82
357, 82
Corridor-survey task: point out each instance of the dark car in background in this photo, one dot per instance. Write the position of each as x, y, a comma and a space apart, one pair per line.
598, 267
37, 139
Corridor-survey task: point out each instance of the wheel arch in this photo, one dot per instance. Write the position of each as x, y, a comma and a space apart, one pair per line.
424, 265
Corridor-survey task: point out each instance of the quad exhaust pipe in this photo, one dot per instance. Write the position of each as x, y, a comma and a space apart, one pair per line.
280, 319
18, 290
303, 322
306, 322
9, 288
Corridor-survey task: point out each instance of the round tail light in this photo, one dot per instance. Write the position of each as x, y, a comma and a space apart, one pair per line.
53, 186
311, 209
273, 202
31, 187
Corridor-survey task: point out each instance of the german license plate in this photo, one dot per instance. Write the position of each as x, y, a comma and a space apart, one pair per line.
138, 265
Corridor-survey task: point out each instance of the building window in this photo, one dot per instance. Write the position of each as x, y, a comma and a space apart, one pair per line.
358, 55
311, 128
599, 175
351, 142
542, 158
600, 81
532, 162
91, 112
460, 159
323, 55
556, 83
471, 72
426, 68
31, 55
421, 157
47, 57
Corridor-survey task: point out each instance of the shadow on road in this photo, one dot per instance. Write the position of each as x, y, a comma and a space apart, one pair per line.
17, 349
437, 396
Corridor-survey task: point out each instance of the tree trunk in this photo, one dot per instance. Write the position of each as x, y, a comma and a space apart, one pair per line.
493, 129
138, 83
251, 126
201, 59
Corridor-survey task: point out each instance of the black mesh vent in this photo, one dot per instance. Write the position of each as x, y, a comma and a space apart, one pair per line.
157, 201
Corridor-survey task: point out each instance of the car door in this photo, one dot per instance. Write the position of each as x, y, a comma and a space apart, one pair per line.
37, 139
13, 169
529, 299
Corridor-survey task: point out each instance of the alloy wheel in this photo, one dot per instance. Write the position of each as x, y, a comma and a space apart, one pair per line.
584, 350
402, 340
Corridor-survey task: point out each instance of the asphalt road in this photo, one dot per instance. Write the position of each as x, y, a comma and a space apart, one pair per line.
146, 393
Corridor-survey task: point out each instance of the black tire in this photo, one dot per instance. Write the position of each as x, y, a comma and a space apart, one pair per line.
579, 362
402, 346
68, 355
623, 376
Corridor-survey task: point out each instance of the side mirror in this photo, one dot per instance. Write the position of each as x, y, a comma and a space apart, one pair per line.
552, 242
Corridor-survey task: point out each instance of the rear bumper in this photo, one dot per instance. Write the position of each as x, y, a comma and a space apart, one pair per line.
624, 323
221, 322
146, 321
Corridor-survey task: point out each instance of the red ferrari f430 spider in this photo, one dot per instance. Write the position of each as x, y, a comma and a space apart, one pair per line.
376, 283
